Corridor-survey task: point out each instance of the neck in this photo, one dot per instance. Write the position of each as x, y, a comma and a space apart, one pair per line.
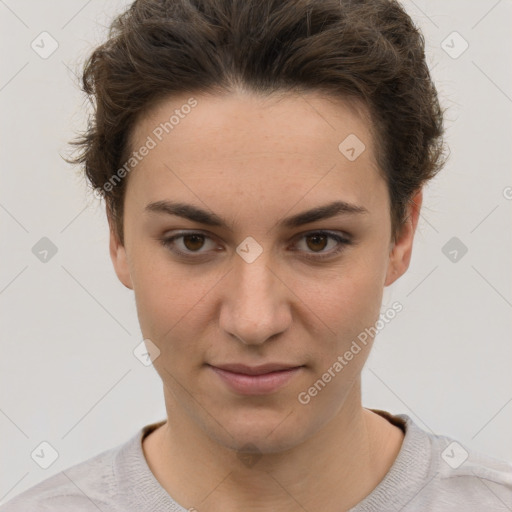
332, 470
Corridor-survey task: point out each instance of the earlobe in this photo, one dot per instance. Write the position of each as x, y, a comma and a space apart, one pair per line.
119, 258
400, 255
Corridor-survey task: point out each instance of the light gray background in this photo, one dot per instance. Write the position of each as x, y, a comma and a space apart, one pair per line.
68, 327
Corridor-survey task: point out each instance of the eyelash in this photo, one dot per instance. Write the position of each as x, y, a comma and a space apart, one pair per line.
342, 242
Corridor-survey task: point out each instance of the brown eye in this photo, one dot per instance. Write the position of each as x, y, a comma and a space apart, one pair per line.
322, 244
193, 242
318, 245
189, 244
318, 242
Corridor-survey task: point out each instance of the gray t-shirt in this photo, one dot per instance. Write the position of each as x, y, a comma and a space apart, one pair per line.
431, 472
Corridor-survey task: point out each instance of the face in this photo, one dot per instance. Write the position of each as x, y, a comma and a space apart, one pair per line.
253, 280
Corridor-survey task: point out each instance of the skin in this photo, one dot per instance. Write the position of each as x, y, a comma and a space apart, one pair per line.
253, 160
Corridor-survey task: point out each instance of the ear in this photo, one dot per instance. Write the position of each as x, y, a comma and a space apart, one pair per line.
119, 256
400, 255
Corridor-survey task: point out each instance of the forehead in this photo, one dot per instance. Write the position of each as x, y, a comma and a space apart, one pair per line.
246, 122
257, 143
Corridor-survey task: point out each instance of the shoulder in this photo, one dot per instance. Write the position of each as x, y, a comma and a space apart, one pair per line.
87, 486
459, 476
436, 472
478, 478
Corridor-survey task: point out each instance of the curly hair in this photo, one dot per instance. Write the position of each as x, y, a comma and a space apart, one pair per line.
364, 49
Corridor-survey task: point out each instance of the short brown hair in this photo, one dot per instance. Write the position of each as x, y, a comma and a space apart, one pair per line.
366, 49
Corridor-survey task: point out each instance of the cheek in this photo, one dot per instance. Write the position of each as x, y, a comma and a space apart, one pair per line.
171, 303
350, 298
344, 306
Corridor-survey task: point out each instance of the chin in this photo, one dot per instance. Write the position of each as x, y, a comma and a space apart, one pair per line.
260, 431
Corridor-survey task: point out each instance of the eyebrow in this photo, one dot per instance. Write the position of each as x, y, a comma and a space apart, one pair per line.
195, 214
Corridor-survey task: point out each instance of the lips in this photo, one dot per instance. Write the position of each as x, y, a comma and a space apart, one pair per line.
255, 380
255, 370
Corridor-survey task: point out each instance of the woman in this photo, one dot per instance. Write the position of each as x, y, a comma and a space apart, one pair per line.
262, 164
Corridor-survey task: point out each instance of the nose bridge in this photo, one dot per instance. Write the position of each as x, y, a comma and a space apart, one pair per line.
253, 279
254, 308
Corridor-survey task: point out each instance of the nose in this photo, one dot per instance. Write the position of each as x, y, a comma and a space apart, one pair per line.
256, 303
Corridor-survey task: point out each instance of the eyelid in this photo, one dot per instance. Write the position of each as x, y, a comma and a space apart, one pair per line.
341, 238
167, 241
